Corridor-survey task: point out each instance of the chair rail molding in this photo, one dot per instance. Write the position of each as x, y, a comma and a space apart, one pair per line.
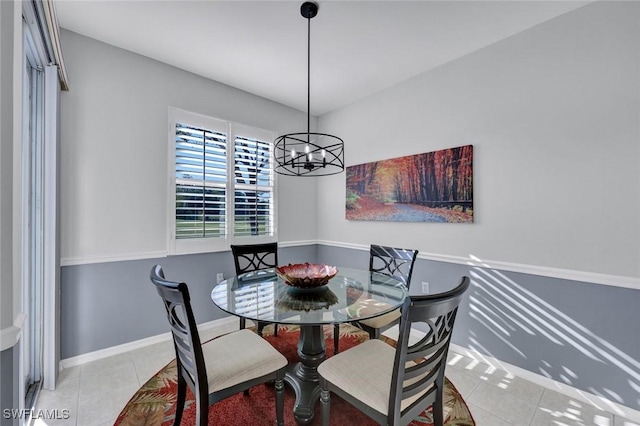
473, 261
544, 271
9, 336
297, 243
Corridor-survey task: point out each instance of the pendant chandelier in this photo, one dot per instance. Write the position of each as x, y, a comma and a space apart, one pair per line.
310, 153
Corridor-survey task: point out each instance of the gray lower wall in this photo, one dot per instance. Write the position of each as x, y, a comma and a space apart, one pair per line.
8, 385
577, 333
108, 304
573, 332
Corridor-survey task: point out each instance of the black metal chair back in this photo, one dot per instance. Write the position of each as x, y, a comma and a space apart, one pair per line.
268, 364
425, 378
417, 376
394, 262
254, 257
186, 340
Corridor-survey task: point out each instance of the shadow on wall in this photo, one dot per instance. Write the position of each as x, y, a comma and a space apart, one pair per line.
529, 326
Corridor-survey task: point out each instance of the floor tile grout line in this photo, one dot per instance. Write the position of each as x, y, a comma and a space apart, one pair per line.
123, 361
533, 416
471, 392
474, 388
135, 366
78, 396
535, 405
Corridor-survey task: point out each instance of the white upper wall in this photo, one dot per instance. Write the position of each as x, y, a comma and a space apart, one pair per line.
10, 119
553, 115
114, 139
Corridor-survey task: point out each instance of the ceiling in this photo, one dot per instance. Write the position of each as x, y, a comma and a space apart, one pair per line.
357, 47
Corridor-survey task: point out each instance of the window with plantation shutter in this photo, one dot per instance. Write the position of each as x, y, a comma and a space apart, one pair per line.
223, 184
253, 187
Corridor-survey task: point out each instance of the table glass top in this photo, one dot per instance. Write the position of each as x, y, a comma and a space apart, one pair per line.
353, 294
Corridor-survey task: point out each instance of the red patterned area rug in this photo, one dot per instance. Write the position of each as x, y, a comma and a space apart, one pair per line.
154, 404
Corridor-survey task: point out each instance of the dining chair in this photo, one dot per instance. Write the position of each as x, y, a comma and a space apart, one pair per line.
255, 257
394, 385
393, 262
220, 368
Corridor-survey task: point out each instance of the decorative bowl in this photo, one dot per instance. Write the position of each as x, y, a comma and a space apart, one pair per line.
306, 275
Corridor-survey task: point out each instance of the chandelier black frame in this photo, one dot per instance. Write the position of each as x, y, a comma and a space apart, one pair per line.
309, 154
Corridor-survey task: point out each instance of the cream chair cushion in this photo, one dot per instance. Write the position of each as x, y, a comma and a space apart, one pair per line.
382, 320
367, 307
238, 357
365, 372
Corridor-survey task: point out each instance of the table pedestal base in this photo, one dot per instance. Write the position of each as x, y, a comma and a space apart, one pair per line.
303, 376
307, 394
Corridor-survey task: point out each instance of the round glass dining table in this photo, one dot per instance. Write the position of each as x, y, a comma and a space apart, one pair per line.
351, 295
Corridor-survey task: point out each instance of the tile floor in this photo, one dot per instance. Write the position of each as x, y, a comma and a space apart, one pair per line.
95, 392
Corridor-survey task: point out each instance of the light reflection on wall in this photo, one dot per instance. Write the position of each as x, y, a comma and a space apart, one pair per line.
504, 308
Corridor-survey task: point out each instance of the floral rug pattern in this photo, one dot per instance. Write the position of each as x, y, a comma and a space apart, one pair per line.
154, 403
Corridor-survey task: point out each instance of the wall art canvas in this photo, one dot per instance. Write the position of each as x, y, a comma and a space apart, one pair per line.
430, 187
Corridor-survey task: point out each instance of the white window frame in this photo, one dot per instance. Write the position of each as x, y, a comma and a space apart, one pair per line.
39, 257
202, 245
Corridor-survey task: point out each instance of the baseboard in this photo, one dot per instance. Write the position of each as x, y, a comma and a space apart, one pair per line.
136, 344
580, 395
585, 397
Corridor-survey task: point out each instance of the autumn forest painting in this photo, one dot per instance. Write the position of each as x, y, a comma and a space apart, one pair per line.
430, 187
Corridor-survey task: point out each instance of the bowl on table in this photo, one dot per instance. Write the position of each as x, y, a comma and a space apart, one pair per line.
306, 275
